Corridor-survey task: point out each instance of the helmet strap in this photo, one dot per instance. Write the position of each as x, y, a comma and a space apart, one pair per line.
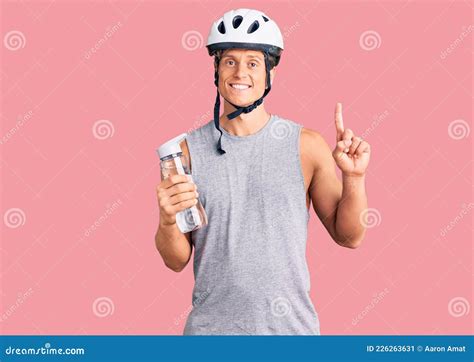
217, 105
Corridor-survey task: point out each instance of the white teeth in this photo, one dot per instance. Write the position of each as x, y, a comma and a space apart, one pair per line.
240, 86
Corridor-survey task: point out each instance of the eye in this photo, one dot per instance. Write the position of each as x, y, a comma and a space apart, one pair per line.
229, 62
253, 65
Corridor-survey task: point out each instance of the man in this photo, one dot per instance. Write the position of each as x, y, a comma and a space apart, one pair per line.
257, 174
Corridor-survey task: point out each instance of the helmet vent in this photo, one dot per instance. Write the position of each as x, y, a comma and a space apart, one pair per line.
237, 21
254, 26
265, 18
221, 28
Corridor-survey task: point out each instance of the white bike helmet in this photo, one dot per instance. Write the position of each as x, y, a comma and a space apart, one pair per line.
244, 29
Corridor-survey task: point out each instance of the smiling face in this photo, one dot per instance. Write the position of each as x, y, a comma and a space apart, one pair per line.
242, 76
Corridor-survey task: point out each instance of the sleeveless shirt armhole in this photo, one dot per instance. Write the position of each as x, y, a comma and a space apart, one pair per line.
300, 169
192, 167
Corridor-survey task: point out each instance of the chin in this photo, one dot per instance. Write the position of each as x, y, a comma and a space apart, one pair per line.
240, 101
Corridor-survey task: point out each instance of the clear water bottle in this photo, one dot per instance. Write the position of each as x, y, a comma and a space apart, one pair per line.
173, 162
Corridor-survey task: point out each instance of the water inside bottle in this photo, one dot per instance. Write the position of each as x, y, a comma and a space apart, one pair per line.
194, 217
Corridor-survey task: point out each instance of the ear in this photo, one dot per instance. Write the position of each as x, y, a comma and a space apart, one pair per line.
272, 75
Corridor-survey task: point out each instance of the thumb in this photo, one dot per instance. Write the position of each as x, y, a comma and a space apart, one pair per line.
342, 147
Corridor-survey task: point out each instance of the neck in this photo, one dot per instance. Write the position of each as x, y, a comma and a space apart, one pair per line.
246, 123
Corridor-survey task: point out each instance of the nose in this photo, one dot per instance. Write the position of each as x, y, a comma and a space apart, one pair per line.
240, 70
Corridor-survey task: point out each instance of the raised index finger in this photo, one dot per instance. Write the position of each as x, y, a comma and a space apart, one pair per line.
338, 122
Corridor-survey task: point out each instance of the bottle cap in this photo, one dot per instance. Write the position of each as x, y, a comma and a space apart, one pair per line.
171, 147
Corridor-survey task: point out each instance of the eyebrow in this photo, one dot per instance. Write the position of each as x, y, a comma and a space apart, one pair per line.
252, 56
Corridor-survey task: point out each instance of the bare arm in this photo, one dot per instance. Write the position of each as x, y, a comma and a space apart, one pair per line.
350, 227
337, 205
325, 189
175, 247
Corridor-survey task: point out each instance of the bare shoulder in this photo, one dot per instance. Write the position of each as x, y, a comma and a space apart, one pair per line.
315, 147
310, 138
312, 141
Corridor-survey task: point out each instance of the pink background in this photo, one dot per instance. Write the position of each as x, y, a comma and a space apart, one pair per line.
149, 79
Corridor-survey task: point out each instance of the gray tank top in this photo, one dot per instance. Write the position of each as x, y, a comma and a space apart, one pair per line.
250, 269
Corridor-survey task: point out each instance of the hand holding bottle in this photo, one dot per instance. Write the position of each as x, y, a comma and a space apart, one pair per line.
176, 193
